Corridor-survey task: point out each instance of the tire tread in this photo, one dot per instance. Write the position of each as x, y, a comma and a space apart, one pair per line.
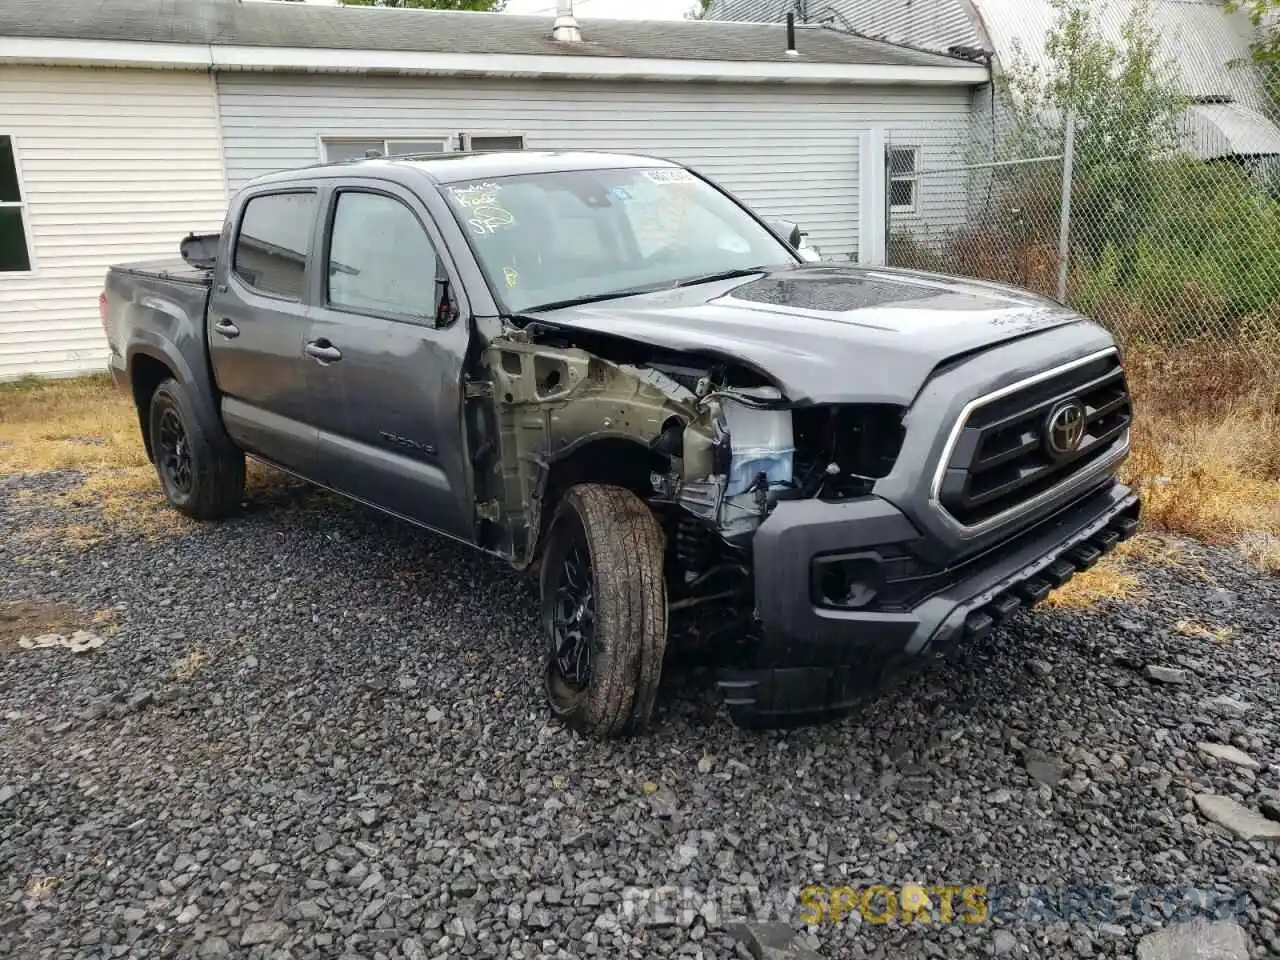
626, 547
218, 467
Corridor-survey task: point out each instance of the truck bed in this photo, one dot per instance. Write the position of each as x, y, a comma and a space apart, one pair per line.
158, 307
173, 269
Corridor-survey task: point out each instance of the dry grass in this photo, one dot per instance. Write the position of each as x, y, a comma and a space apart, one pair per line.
41, 887
89, 426
1118, 576
1193, 628
186, 668
1207, 447
1262, 549
1111, 579
83, 424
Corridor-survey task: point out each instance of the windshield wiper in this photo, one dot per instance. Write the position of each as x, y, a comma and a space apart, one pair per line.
649, 288
723, 275
595, 298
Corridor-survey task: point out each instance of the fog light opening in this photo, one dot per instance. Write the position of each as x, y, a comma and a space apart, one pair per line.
850, 584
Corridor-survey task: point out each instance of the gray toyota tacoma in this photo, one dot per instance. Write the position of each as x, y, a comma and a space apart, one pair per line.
608, 371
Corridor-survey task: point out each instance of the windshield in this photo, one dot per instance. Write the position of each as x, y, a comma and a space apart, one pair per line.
546, 238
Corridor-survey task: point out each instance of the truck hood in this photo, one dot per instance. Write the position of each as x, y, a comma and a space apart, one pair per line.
826, 333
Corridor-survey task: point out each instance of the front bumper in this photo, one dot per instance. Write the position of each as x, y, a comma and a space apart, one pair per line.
813, 658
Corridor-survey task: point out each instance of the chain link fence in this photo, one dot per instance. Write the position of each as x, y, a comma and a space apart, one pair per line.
1167, 248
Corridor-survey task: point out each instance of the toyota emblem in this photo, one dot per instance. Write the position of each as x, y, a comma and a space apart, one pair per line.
1064, 428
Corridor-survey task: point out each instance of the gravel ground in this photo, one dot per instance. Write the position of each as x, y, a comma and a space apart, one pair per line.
316, 732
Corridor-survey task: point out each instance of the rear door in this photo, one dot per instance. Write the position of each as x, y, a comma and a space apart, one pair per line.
390, 376
257, 318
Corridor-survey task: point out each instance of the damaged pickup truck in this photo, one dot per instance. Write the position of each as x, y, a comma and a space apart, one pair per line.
607, 370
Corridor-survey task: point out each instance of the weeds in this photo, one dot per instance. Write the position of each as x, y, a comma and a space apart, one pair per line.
1206, 451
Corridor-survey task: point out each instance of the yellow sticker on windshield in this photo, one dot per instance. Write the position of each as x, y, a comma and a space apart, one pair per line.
512, 277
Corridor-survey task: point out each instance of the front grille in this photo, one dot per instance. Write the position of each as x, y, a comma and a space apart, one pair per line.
1003, 456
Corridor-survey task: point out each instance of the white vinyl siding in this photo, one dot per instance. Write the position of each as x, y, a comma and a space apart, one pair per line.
790, 151
117, 166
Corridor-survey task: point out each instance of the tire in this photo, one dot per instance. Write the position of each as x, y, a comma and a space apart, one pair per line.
621, 619
200, 476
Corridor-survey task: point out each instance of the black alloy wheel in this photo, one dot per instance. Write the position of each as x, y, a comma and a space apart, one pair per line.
174, 454
573, 634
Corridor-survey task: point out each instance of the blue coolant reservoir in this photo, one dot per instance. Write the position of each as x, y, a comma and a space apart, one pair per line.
760, 441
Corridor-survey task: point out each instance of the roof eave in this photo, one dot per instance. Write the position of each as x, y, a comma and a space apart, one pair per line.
123, 53
48, 51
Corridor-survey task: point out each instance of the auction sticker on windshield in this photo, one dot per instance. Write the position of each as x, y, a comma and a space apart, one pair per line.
670, 176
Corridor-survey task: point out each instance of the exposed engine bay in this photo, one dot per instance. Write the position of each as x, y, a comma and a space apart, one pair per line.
709, 443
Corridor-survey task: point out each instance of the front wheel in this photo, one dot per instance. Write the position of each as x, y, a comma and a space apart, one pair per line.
604, 610
200, 477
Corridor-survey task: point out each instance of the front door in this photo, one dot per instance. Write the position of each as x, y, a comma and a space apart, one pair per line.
392, 375
257, 319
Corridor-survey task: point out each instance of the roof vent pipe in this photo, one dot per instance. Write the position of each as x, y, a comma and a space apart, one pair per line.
791, 36
565, 29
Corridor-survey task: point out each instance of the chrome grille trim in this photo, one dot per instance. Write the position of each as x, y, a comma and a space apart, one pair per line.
1080, 478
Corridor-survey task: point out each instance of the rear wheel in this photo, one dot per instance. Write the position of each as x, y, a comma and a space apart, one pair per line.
201, 478
604, 610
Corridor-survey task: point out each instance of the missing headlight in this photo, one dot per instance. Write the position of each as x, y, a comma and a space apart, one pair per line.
760, 441
840, 451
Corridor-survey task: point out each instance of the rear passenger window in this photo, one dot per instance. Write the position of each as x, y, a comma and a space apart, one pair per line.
380, 259
274, 242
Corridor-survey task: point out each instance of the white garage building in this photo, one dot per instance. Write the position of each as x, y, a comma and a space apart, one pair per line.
124, 123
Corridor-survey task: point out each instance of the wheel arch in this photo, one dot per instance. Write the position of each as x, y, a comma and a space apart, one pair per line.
149, 364
612, 459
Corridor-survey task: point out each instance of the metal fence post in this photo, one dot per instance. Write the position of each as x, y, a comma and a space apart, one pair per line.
1064, 227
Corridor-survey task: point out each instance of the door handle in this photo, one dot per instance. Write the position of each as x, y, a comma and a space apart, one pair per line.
227, 329
323, 351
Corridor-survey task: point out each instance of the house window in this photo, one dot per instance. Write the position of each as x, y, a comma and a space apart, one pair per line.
904, 179
15, 255
349, 148
492, 144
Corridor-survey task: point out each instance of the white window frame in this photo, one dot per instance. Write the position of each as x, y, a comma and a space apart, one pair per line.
323, 141
912, 178
23, 206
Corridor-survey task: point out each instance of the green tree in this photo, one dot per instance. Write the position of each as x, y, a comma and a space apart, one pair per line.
699, 10
480, 5
1124, 98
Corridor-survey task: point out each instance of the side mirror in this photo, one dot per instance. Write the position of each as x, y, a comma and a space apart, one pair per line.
446, 310
790, 232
